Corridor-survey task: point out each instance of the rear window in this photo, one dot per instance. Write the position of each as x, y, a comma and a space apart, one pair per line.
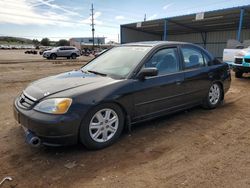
193, 58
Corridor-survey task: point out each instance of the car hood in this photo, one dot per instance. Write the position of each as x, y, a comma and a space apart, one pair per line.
243, 52
61, 82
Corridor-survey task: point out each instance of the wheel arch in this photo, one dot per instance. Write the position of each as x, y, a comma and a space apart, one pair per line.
53, 54
222, 88
123, 109
127, 118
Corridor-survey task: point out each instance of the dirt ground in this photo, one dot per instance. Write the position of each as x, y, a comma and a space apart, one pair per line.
195, 148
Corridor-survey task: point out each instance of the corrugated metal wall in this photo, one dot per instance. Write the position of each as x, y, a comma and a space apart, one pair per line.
130, 35
216, 41
193, 37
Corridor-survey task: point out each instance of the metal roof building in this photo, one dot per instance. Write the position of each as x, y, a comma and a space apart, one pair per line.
209, 29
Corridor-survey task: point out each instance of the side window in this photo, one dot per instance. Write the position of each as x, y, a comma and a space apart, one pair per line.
193, 58
165, 60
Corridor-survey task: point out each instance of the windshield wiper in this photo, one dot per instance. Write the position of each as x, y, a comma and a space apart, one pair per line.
95, 72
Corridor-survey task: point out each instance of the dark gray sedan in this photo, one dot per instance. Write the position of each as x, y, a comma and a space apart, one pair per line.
123, 86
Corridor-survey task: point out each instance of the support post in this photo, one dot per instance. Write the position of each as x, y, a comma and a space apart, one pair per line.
204, 39
92, 25
165, 30
121, 35
240, 23
205, 43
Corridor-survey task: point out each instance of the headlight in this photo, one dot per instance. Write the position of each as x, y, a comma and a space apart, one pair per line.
54, 106
241, 54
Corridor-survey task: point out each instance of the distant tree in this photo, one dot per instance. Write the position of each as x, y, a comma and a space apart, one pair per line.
45, 42
62, 42
35, 42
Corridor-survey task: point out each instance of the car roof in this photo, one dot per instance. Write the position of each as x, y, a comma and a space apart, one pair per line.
154, 43
66, 47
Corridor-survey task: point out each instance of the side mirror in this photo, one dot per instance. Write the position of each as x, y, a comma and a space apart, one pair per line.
147, 72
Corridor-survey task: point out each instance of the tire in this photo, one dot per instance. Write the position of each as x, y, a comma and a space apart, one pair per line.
95, 126
73, 56
214, 96
53, 56
238, 74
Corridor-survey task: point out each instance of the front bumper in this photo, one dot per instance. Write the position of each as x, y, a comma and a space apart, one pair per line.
244, 66
46, 55
53, 130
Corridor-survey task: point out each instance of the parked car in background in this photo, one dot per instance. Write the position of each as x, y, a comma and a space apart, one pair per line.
86, 52
238, 59
63, 51
126, 85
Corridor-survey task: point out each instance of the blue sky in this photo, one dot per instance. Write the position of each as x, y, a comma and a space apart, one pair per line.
59, 19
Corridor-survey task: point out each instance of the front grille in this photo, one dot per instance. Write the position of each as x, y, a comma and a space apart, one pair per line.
247, 60
238, 61
26, 101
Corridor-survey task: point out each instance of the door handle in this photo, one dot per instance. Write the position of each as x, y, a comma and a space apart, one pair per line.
178, 82
211, 75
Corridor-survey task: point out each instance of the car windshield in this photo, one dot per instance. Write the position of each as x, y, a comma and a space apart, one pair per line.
55, 48
118, 61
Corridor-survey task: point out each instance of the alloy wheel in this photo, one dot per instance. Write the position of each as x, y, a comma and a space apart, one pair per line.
214, 94
103, 125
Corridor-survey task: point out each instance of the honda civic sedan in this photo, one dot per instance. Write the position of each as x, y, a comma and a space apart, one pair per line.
125, 85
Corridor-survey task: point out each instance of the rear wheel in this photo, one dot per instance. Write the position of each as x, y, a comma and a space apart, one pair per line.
214, 96
73, 56
238, 74
53, 56
102, 126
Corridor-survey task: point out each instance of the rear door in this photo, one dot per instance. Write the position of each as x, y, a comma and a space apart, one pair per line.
197, 75
60, 52
70, 50
66, 52
161, 93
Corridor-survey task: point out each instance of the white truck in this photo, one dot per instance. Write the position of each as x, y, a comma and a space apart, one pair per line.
238, 59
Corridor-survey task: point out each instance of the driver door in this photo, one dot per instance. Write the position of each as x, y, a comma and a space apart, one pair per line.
161, 93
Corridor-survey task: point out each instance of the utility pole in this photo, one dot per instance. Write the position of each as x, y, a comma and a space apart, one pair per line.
92, 24
145, 17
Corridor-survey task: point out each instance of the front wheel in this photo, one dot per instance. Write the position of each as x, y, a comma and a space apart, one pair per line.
53, 56
214, 96
102, 126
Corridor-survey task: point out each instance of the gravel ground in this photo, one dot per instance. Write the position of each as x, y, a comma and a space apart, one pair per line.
195, 148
